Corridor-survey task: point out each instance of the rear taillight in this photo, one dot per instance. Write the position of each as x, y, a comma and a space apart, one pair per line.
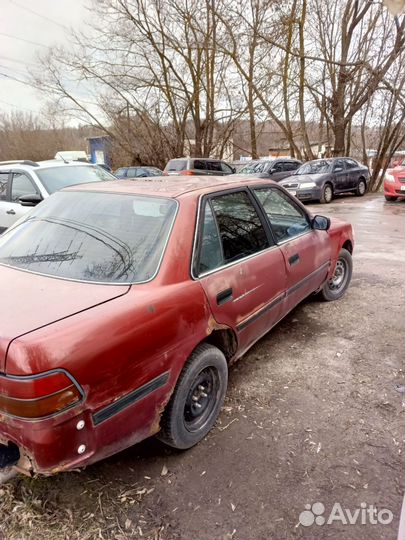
38, 396
188, 173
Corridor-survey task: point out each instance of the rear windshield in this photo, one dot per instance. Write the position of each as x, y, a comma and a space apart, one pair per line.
95, 237
56, 178
177, 165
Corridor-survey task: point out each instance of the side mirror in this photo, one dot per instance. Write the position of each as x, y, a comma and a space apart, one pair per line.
338, 169
321, 223
233, 170
30, 200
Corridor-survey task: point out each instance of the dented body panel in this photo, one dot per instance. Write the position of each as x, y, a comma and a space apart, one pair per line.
125, 345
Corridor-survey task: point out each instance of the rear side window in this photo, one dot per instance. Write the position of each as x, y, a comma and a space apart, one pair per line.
214, 166
211, 249
339, 165
290, 165
351, 164
239, 226
177, 165
200, 165
3, 185
121, 173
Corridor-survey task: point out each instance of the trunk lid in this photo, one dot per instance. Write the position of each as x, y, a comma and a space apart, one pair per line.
30, 301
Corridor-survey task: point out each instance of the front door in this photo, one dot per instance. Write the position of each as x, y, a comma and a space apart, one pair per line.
306, 251
240, 268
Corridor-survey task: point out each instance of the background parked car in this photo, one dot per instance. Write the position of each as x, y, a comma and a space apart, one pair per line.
198, 166
23, 184
137, 172
394, 183
321, 179
275, 169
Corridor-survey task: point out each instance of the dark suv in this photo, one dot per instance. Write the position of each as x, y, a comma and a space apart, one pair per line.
198, 166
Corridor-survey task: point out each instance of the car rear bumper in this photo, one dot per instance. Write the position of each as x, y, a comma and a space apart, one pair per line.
80, 436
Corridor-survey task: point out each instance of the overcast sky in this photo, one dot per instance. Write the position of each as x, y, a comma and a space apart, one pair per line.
41, 22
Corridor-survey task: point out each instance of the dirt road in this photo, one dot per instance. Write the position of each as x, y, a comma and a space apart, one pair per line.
312, 416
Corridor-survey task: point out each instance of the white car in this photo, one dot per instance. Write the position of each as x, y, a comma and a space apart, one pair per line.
23, 184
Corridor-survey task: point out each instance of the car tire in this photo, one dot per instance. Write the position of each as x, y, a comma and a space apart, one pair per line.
390, 198
327, 194
335, 287
361, 188
197, 398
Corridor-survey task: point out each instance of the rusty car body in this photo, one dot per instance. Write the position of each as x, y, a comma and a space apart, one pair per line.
101, 346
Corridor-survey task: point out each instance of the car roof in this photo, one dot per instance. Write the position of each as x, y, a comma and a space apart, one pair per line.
36, 165
166, 186
193, 158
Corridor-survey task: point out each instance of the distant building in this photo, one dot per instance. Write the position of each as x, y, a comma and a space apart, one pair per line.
100, 150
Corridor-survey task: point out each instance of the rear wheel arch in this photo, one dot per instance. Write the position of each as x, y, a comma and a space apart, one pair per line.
348, 246
225, 340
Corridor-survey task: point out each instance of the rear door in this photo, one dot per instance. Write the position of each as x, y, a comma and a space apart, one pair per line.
277, 171
353, 172
200, 166
341, 176
306, 251
239, 266
214, 168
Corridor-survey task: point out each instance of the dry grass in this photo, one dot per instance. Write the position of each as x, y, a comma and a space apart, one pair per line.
74, 506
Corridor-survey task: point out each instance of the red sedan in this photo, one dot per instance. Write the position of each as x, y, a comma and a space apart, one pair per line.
394, 183
122, 305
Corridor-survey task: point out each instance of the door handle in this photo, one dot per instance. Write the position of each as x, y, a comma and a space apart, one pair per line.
224, 296
294, 259
12, 212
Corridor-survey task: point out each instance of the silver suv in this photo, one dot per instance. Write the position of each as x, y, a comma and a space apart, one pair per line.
23, 184
198, 166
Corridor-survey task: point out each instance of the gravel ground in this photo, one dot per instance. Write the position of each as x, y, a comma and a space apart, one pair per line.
312, 416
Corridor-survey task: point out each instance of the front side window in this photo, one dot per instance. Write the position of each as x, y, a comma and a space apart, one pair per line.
287, 219
226, 168
56, 178
239, 226
278, 167
90, 236
21, 185
3, 185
